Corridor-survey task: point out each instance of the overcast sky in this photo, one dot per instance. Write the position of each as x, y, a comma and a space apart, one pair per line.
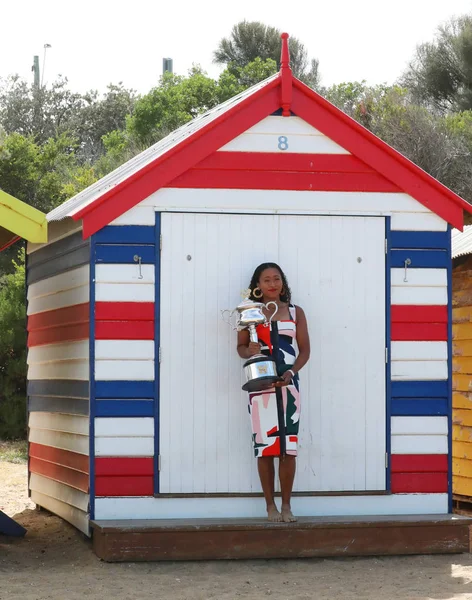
97, 42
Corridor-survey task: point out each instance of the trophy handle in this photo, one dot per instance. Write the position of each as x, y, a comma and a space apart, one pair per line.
228, 319
275, 311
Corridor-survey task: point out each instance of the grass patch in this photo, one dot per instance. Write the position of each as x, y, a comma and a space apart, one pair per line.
14, 452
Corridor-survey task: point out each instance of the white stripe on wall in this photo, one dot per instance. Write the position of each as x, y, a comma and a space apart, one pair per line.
124, 292
66, 369
58, 283
284, 126
60, 491
424, 370
406, 221
122, 273
419, 277
124, 350
419, 426
124, 446
58, 439
59, 422
138, 215
124, 426
418, 295
58, 352
200, 508
126, 370
294, 143
419, 351
78, 295
419, 444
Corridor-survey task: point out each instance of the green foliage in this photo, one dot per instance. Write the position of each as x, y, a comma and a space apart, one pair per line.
13, 352
440, 74
250, 40
234, 80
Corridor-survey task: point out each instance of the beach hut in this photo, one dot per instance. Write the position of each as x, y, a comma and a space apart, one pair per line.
462, 368
138, 426
18, 220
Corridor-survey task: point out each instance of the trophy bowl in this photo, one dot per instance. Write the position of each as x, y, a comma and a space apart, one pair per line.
260, 370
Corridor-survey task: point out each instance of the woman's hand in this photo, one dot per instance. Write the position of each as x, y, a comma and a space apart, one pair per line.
286, 379
253, 349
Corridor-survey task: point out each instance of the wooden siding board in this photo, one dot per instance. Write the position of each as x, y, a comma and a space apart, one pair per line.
246, 507
70, 406
420, 240
117, 467
419, 463
59, 422
65, 475
111, 254
418, 314
124, 486
424, 259
125, 234
124, 311
56, 249
65, 388
124, 408
419, 407
61, 264
65, 458
59, 491
140, 390
414, 483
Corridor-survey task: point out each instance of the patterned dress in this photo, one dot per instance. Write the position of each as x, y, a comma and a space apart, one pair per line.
275, 413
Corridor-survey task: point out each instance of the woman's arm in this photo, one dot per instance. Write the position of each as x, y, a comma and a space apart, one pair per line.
303, 341
246, 348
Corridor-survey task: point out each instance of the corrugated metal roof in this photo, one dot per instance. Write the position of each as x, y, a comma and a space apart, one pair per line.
461, 241
97, 189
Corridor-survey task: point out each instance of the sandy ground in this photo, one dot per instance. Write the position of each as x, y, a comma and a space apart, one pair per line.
56, 562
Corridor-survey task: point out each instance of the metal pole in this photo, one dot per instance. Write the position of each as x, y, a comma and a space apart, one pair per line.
46, 46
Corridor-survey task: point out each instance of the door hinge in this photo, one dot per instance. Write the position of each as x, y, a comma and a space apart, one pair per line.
160, 354
386, 245
158, 462
386, 356
160, 242
386, 460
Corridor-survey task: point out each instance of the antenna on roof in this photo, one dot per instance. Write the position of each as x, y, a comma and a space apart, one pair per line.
286, 76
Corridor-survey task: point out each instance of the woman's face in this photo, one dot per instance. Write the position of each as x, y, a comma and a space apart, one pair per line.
270, 284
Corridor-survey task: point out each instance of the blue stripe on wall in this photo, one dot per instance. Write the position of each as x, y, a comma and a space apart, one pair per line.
419, 407
419, 389
124, 254
124, 408
429, 259
436, 240
125, 234
125, 389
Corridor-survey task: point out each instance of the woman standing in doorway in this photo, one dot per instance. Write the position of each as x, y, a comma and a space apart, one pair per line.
275, 412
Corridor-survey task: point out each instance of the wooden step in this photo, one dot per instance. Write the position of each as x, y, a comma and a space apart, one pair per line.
208, 539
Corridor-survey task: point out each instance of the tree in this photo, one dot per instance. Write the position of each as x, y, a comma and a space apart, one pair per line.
252, 39
13, 352
440, 74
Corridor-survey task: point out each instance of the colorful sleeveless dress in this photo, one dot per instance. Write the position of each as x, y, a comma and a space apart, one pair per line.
275, 413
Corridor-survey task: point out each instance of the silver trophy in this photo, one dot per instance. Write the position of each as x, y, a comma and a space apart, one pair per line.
260, 370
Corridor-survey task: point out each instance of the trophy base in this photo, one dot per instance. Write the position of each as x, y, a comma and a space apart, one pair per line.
261, 373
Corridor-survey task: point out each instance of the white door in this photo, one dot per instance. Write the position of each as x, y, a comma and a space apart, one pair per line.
336, 269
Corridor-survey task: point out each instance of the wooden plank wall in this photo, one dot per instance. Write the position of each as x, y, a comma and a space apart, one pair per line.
58, 374
462, 377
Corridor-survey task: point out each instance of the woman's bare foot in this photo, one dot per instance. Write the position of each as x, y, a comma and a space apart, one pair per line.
287, 515
273, 514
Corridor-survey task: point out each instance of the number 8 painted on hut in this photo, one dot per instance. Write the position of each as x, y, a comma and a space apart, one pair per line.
283, 142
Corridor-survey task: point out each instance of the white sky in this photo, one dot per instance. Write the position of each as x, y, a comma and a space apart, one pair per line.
98, 42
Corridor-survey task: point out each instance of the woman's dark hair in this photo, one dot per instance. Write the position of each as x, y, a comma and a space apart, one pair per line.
285, 297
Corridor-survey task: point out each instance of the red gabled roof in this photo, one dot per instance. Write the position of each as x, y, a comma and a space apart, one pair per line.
130, 186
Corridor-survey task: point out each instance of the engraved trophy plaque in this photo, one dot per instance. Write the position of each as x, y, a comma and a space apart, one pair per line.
260, 370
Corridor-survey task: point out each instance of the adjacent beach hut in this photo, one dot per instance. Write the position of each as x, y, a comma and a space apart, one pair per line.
18, 220
137, 421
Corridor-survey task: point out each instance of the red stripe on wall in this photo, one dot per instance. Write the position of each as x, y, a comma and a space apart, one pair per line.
65, 475
66, 458
419, 463
124, 311
67, 324
286, 161
124, 330
281, 180
123, 466
419, 332
124, 486
69, 315
418, 314
405, 483
56, 335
